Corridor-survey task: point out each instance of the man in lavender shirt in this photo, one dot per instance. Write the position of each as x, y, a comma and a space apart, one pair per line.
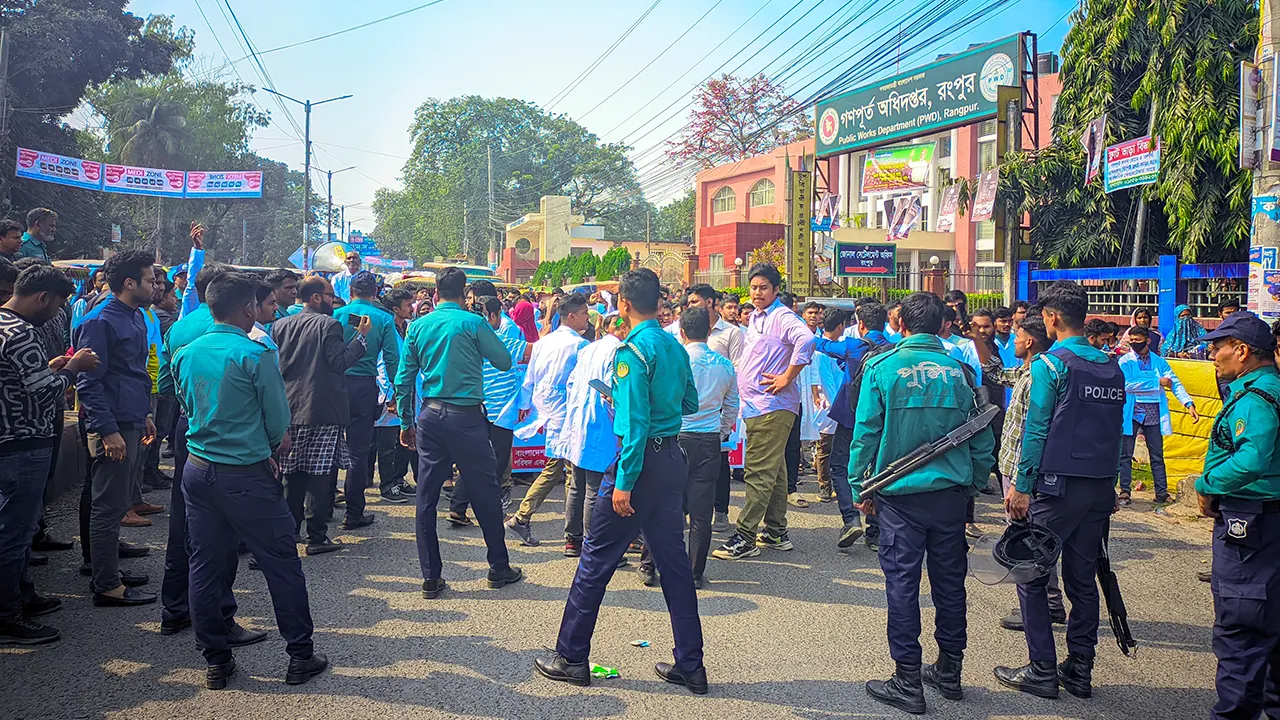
778, 346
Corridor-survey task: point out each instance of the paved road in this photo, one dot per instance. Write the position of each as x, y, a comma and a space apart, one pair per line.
787, 635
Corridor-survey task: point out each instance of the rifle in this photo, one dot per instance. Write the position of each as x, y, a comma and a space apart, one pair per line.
928, 452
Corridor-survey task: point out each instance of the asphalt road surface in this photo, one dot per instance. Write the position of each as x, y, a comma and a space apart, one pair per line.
788, 635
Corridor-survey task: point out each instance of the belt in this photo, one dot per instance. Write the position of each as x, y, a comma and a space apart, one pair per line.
659, 442
203, 464
1264, 507
436, 404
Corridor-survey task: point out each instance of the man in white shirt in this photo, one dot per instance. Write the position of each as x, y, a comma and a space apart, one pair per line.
342, 281
726, 339
545, 392
700, 437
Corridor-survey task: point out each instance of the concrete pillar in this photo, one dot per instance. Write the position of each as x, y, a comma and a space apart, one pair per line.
934, 281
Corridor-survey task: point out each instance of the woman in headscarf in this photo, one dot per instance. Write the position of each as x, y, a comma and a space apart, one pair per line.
1140, 317
1184, 341
522, 315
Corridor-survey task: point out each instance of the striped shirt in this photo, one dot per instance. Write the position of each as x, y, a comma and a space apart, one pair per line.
1015, 418
501, 387
29, 390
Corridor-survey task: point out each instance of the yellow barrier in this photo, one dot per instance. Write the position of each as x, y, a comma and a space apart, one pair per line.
1184, 451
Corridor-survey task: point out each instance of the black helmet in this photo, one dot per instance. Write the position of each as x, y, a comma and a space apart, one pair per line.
1025, 551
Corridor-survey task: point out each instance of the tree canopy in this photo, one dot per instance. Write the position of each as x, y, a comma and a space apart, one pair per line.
735, 118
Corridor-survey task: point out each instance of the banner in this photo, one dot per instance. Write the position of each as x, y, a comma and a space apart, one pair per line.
379, 262
867, 260
115, 233
203, 184
901, 213
895, 169
49, 167
1263, 294
800, 264
130, 180
984, 201
950, 205
1094, 141
826, 213
1132, 163
1250, 109
957, 90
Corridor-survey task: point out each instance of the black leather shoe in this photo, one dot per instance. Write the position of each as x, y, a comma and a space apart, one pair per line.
327, 546
301, 670
357, 523
561, 670
36, 560
132, 596
432, 588
695, 681
1037, 678
41, 605
699, 582
502, 578
903, 690
1076, 675
216, 676
129, 550
944, 675
49, 543
241, 636
127, 579
173, 627
648, 576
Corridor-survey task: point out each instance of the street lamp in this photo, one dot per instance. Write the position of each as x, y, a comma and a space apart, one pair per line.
329, 216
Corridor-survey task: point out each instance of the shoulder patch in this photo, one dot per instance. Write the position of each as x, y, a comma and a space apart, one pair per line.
623, 369
1239, 427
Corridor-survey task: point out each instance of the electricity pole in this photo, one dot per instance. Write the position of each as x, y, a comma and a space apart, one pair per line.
1266, 177
493, 235
466, 242
328, 231
306, 172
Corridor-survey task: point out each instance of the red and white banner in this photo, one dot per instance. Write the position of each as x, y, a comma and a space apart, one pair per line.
156, 182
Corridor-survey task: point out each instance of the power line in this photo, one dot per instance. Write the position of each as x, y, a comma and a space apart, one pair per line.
344, 31
608, 51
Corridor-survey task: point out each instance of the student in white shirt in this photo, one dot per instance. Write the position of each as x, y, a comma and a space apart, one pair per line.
723, 339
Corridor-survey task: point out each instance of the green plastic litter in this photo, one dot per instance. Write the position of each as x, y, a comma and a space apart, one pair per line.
600, 671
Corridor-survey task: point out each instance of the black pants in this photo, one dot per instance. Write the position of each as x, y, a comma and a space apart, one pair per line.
702, 450
394, 459
166, 415
42, 528
310, 500
722, 484
500, 439
793, 453
362, 394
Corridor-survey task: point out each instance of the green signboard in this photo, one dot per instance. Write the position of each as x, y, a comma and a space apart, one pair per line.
957, 90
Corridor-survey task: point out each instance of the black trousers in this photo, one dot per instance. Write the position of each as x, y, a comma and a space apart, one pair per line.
42, 527
702, 450
394, 459
500, 439
722, 484
310, 500
793, 453
362, 395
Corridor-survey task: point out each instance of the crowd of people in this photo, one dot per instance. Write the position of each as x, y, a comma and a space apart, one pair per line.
267, 388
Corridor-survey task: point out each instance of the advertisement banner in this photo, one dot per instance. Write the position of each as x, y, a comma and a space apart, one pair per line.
800, 264
50, 167
895, 169
203, 184
947, 210
1273, 141
130, 180
1250, 109
902, 213
957, 90
1094, 141
379, 262
115, 233
1132, 163
1269, 298
1262, 260
873, 260
984, 201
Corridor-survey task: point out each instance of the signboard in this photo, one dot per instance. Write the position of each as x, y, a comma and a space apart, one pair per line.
1262, 260
1094, 140
363, 244
529, 455
957, 90
1274, 139
947, 210
1132, 163
115, 233
1269, 297
984, 201
896, 169
378, 262
130, 180
1250, 109
800, 264
874, 260
50, 167
202, 184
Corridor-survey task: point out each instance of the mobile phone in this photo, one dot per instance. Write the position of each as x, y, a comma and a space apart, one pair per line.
355, 320
600, 387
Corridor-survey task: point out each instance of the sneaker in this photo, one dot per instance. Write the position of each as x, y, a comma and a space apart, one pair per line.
506, 498
795, 499
1123, 500
27, 632
972, 531
408, 490
826, 495
395, 494
721, 523
850, 534
522, 531
777, 542
572, 547
737, 548
41, 605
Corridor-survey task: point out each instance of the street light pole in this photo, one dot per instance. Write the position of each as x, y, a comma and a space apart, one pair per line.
329, 215
306, 172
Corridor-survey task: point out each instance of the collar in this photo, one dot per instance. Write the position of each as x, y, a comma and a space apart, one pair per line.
652, 322
362, 301
876, 336
758, 318
721, 326
1078, 341
28, 237
448, 305
923, 341
228, 329
696, 345
1244, 381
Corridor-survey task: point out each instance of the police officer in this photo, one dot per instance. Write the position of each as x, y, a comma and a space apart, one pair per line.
1240, 489
652, 388
237, 414
1066, 478
912, 395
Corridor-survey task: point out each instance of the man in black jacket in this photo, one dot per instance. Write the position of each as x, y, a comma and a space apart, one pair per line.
314, 361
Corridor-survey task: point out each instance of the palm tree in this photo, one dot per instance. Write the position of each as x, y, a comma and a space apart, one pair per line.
149, 133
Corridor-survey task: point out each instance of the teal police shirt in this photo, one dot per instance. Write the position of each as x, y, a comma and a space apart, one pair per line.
1243, 460
232, 392
652, 392
188, 328
446, 347
382, 338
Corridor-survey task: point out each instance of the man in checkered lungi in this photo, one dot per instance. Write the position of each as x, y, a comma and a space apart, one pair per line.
314, 360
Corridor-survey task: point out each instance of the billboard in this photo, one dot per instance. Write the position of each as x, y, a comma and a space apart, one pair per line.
1132, 163
204, 184
54, 168
895, 169
130, 180
957, 90
874, 260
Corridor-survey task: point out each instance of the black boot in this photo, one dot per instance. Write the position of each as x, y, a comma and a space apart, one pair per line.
1076, 675
902, 691
1039, 678
944, 675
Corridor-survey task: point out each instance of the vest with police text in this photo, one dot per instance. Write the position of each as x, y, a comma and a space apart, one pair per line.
1085, 433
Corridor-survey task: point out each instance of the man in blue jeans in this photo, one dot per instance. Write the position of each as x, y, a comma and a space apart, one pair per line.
32, 388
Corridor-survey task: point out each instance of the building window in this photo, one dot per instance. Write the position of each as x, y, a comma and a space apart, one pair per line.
724, 200
761, 194
944, 147
715, 262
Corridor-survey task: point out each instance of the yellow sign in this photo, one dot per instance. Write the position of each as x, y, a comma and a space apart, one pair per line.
1184, 451
800, 262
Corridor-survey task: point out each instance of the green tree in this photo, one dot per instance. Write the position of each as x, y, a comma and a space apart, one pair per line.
613, 264
676, 219
1122, 57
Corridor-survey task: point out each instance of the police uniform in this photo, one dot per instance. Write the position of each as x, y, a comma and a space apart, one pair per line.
234, 398
653, 388
1070, 452
910, 396
1242, 474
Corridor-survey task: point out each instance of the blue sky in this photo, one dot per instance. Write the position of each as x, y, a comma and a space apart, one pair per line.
529, 49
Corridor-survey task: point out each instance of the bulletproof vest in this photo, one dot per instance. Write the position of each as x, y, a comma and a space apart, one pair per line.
1084, 435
